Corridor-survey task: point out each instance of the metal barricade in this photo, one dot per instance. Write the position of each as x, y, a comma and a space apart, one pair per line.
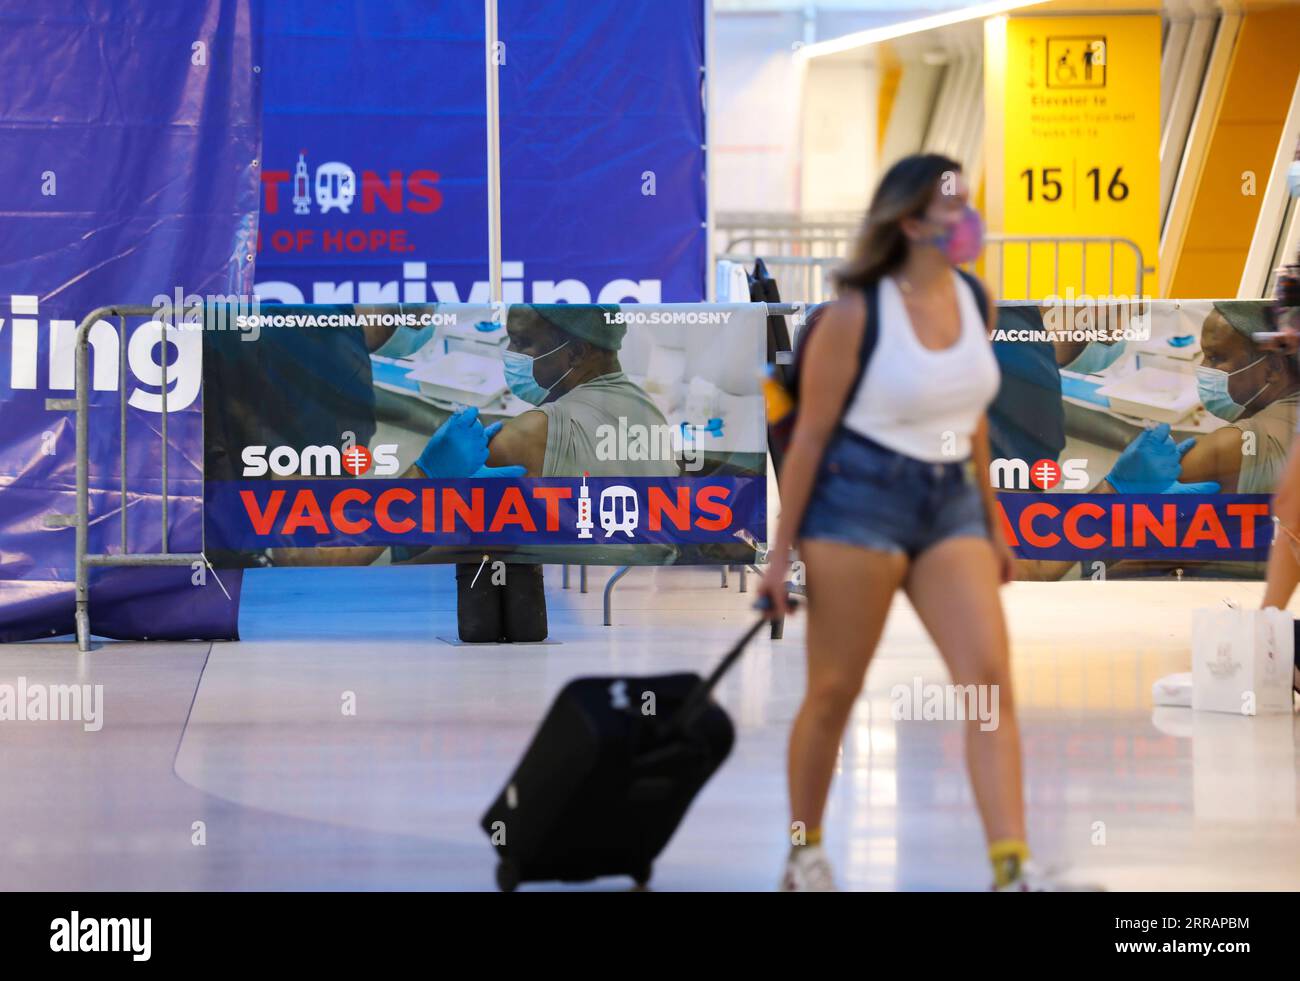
996, 274
85, 559
805, 277
808, 275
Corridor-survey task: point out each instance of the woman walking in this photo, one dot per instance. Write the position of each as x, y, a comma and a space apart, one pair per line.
885, 487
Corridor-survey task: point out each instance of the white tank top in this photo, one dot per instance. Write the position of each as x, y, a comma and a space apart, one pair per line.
922, 403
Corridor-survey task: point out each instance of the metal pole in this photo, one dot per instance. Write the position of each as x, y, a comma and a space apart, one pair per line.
609, 592
83, 489
82, 547
493, 151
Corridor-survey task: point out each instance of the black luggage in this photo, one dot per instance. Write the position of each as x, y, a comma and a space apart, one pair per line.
609, 776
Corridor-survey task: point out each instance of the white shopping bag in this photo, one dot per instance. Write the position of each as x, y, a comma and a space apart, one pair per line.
1242, 660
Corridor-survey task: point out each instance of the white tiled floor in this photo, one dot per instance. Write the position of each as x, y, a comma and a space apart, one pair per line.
251, 739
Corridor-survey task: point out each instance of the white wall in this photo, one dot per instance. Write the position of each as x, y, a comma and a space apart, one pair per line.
754, 160
839, 136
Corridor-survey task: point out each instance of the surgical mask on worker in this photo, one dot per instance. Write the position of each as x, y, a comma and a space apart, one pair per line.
1097, 357
1293, 178
520, 377
1212, 387
963, 239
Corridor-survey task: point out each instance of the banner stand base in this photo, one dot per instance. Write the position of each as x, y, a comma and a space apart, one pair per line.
457, 642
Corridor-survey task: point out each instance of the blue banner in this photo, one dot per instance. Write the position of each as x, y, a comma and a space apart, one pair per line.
1151, 527
374, 186
262, 514
130, 130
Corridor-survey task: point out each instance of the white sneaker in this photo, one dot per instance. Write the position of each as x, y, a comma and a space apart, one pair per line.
1035, 879
808, 870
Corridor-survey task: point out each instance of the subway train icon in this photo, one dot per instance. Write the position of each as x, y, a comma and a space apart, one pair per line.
336, 186
619, 510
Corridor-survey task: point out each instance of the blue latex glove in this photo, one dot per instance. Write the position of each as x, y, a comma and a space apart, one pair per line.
458, 448
1150, 463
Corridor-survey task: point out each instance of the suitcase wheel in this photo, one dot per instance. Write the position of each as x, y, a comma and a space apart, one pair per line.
507, 876
642, 875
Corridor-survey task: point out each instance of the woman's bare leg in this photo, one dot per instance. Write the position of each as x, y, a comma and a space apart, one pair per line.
849, 593
954, 588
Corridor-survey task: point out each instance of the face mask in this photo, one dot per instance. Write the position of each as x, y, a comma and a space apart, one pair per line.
1097, 357
1212, 387
520, 377
964, 239
1293, 178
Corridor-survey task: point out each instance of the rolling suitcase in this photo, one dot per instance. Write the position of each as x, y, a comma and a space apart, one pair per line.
609, 776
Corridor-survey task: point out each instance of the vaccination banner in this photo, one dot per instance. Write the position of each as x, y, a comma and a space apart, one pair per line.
1139, 439
375, 181
599, 434
115, 199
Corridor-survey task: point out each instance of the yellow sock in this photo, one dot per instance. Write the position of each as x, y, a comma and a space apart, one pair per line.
1008, 856
813, 836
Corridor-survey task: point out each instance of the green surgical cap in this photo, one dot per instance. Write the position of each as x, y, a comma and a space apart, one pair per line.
1246, 317
586, 322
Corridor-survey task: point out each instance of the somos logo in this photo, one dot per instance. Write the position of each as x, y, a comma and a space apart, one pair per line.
1069, 475
320, 461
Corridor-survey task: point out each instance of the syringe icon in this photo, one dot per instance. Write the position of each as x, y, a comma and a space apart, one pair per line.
585, 523
301, 187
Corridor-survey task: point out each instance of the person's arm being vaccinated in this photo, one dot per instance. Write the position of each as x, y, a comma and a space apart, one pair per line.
521, 442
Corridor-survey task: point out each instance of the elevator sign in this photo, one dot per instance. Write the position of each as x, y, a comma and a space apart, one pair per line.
1081, 153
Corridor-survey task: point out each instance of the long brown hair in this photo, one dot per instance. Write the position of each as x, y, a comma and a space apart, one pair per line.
905, 191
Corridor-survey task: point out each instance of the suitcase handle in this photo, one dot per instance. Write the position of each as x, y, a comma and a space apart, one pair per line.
699, 696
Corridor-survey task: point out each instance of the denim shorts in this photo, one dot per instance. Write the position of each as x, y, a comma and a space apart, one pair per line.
872, 497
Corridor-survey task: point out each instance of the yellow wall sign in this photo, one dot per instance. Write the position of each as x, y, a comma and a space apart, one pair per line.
1081, 152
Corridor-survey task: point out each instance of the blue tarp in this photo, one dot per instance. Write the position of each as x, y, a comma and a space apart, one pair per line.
600, 105
133, 166
131, 138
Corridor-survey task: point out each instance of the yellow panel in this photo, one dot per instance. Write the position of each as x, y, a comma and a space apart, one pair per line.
1081, 151
889, 75
1252, 113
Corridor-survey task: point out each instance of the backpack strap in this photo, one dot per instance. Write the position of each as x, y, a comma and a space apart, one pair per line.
981, 297
870, 334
